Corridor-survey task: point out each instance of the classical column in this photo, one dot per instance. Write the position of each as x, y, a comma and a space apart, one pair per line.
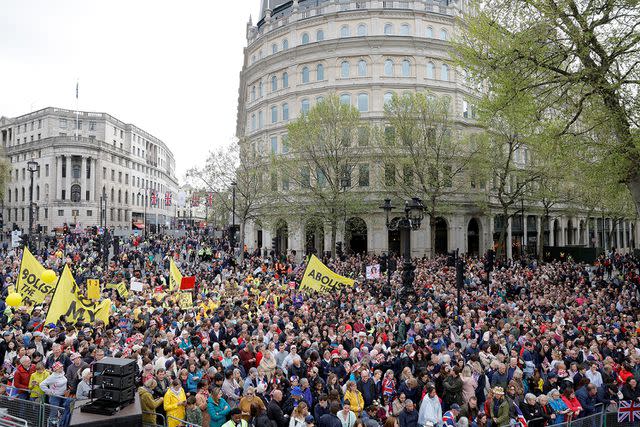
552, 234
491, 231
83, 179
587, 240
539, 232
58, 191
509, 243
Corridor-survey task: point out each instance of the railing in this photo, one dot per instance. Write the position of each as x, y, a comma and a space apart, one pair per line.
36, 413
182, 422
160, 420
7, 420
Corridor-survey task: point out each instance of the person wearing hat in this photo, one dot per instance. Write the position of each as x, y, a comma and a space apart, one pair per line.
55, 386
74, 370
499, 409
449, 417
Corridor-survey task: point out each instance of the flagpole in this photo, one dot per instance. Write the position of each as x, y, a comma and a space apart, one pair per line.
77, 112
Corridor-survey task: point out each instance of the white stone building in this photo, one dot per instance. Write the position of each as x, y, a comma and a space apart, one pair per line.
83, 156
364, 51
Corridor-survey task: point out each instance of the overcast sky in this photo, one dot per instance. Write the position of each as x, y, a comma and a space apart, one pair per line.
169, 67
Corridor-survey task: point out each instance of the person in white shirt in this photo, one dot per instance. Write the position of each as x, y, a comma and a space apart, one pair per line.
430, 409
594, 376
346, 416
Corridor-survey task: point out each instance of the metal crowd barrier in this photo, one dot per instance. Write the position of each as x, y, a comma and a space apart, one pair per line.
36, 413
181, 423
160, 421
7, 420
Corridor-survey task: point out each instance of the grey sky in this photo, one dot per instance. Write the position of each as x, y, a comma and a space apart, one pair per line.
170, 67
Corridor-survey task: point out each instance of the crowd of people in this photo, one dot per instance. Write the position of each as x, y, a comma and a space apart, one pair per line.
549, 342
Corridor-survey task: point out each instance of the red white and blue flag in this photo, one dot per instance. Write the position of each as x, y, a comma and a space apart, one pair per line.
521, 419
628, 411
154, 198
167, 198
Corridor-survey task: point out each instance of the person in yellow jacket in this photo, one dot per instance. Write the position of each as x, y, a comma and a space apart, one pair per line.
175, 402
148, 403
36, 378
354, 397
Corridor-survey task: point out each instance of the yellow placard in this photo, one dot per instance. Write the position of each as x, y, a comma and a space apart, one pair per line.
185, 300
319, 277
93, 289
29, 284
175, 277
74, 308
121, 288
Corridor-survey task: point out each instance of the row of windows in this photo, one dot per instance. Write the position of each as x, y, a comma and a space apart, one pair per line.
390, 69
360, 31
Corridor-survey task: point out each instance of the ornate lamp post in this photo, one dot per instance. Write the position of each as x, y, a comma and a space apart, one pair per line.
413, 216
32, 167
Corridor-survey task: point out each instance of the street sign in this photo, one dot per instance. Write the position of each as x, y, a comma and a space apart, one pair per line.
15, 238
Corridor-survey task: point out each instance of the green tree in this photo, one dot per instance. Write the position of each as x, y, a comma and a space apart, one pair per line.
579, 60
317, 165
428, 156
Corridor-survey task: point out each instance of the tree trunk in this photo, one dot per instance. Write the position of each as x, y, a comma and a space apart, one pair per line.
334, 232
242, 240
543, 223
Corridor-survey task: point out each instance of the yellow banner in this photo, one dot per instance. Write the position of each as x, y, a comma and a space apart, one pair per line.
185, 300
72, 306
29, 285
175, 277
319, 277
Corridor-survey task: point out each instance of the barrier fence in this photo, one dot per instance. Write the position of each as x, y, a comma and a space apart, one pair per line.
35, 413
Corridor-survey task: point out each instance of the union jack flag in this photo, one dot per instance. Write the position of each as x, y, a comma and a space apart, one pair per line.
167, 198
195, 200
629, 411
154, 198
521, 419
210, 199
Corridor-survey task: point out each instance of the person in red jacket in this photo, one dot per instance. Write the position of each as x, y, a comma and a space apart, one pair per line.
22, 377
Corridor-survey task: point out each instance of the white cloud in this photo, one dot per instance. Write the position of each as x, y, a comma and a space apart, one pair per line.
170, 67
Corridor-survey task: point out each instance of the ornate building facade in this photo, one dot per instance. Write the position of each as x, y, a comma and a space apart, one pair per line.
364, 51
83, 158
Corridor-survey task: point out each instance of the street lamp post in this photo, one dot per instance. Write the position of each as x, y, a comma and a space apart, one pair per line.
233, 217
413, 216
143, 193
32, 167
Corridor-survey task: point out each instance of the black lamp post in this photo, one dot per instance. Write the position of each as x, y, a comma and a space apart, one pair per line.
233, 218
32, 167
413, 216
143, 192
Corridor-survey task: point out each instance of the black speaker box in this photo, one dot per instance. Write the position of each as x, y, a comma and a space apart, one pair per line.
115, 382
114, 366
118, 396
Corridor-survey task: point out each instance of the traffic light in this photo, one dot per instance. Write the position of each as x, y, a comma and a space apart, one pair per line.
1, 221
488, 267
24, 240
383, 263
460, 274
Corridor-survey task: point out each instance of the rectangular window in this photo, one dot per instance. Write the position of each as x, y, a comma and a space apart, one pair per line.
274, 145
363, 136
113, 175
274, 181
389, 135
63, 123
79, 124
40, 124
104, 173
305, 178
64, 167
92, 125
389, 174
87, 195
75, 212
46, 213
363, 175
89, 212
126, 178
60, 212
321, 178
407, 174
39, 137
274, 115
64, 194
120, 177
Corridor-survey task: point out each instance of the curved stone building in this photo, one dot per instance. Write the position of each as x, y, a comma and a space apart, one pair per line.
364, 51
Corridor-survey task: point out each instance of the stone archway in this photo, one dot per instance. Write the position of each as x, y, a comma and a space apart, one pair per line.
356, 236
282, 237
314, 236
473, 237
395, 240
442, 236
569, 233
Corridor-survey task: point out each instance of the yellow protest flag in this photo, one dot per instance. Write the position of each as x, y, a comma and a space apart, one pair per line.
175, 277
29, 285
74, 307
93, 289
319, 277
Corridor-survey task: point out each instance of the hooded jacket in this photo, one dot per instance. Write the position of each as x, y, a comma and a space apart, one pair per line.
55, 384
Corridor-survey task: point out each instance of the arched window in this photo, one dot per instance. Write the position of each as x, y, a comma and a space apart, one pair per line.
126, 197
430, 32
305, 75
404, 30
344, 31
443, 34
260, 89
363, 102
319, 99
387, 98
285, 111
253, 122
285, 80
253, 93
320, 72
274, 114
75, 193
37, 192
304, 106
406, 68
431, 69
305, 38
388, 29
274, 83
319, 35
362, 68
285, 44
345, 99
113, 193
444, 72
22, 194
388, 68
362, 30
119, 196
274, 48
344, 70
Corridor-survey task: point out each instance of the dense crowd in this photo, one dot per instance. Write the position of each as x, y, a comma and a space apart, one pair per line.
547, 341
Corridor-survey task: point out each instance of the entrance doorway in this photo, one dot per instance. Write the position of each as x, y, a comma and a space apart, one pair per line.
473, 237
